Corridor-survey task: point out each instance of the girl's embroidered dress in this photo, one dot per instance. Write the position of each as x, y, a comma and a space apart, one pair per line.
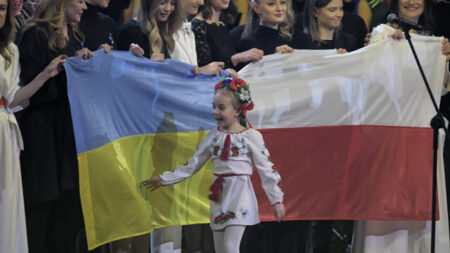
237, 204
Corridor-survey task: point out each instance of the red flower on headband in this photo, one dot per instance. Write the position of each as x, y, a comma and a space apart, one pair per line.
237, 84
218, 85
247, 107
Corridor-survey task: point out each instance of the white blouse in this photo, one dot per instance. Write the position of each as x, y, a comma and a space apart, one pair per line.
185, 50
244, 147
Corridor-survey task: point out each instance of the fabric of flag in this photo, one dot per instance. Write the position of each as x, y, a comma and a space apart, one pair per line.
349, 134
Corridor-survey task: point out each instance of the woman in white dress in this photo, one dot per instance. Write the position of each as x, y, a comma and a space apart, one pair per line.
13, 237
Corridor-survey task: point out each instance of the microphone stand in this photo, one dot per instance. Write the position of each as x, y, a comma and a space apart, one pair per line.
437, 122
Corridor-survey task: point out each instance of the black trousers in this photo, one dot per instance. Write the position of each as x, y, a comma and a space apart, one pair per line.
52, 227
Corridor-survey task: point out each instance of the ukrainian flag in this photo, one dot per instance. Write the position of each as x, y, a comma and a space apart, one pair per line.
133, 119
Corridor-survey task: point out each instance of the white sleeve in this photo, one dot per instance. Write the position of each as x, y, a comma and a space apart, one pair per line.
12, 77
193, 165
266, 169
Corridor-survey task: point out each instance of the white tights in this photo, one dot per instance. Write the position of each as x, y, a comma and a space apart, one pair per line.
228, 239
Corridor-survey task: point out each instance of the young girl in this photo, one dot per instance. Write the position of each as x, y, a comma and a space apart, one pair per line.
269, 27
232, 147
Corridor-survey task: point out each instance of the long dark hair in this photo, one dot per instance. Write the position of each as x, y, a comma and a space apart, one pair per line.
310, 22
227, 16
7, 35
426, 19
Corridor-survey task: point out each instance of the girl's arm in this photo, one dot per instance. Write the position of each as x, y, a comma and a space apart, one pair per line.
268, 173
193, 165
25, 92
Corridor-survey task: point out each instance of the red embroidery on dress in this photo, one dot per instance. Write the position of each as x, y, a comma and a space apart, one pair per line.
234, 151
216, 150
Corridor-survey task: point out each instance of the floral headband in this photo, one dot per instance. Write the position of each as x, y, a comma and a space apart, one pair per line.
241, 91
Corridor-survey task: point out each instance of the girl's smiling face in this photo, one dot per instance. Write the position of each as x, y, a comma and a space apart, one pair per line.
271, 12
223, 111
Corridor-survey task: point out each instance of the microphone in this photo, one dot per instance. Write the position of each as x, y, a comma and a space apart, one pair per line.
393, 18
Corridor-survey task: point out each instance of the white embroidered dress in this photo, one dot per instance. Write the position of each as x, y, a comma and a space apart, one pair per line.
13, 237
237, 204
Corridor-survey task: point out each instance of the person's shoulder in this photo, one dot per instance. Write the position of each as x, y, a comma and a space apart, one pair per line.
249, 39
12, 47
347, 36
198, 24
301, 40
253, 133
35, 29
246, 43
35, 33
349, 41
107, 19
130, 24
198, 21
129, 28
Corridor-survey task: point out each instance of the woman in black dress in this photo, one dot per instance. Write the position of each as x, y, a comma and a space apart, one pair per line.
212, 37
269, 27
151, 34
49, 160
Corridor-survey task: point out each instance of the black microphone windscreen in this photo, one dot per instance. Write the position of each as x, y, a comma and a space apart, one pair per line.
392, 18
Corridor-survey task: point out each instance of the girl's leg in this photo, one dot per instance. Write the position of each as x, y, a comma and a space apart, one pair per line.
228, 240
232, 238
218, 240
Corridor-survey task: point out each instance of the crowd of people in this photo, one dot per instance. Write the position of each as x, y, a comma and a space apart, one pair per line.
38, 159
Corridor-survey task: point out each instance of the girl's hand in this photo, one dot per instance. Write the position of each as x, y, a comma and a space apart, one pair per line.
136, 50
105, 47
253, 54
446, 49
284, 49
214, 68
279, 211
157, 57
55, 67
396, 35
85, 53
152, 183
341, 51
232, 73
367, 39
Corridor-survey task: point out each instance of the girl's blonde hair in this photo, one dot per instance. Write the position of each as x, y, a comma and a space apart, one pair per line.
7, 35
49, 15
159, 32
285, 27
310, 21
